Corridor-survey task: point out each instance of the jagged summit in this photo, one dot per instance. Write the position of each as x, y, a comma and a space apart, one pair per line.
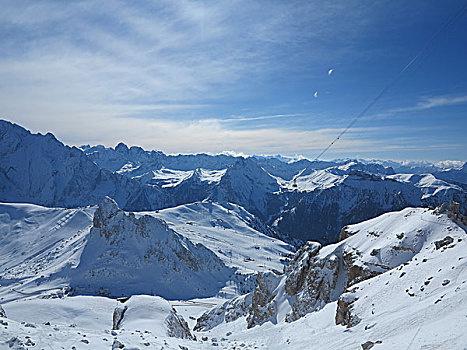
39, 169
127, 255
249, 185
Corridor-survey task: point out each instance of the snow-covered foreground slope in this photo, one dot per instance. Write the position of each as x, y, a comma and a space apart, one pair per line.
400, 279
89, 322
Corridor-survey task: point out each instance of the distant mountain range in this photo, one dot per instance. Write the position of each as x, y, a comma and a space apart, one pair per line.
307, 200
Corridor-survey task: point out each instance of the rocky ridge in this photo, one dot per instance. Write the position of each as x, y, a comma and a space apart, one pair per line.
319, 275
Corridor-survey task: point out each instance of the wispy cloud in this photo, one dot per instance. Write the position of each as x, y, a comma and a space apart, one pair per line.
425, 103
164, 52
261, 117
180, 75
434, 102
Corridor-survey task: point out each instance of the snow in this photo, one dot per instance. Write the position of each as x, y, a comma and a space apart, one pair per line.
318, 179
127, 254
201, 255
171, 178
430, 185
324, 197
230, 232
434, 316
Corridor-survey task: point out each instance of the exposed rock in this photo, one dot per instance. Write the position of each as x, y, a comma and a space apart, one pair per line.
177, 327
320, 279
118, 316
298, 267
2, 312
319, 275
117, 345
358, 272
441, 209
227, 312
454, 207
444, 242
369, 344
15, 343
345, 233
261, 308
343, 312
146, 253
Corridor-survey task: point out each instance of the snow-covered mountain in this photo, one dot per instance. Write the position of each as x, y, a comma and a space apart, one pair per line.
237, 237
304, 199
201, 255
39, 169
200, 249
394, 280
51, 256
126, 255
135, 161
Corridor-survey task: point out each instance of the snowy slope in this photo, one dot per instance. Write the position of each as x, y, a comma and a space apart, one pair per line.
455, 175
94, 322
35, 243
170, 178
349, 198
397, 280
235, 235
247, 184
430, 186
45, 250
396, 276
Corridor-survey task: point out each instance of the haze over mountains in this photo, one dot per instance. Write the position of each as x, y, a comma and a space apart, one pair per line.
221, 251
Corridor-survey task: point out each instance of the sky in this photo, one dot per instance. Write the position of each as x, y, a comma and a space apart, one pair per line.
245, 76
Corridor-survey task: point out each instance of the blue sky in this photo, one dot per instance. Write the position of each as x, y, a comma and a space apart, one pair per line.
212, 76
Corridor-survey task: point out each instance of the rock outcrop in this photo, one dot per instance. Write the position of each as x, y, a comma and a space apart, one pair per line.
319, 275
2, 312
145, 253
177, 327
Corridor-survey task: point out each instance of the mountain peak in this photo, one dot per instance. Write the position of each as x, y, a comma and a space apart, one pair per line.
122, 148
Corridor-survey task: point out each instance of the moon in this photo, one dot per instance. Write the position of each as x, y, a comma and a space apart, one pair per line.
330, 71
315, 95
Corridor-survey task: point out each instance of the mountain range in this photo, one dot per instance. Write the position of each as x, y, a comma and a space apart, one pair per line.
306, 200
